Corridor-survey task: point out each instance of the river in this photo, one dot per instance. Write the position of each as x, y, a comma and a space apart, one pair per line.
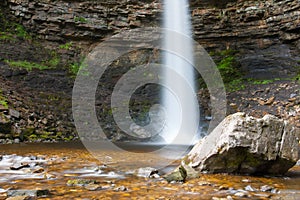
58, 167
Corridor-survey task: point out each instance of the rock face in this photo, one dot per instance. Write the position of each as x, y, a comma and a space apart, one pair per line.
265, 33
246, 145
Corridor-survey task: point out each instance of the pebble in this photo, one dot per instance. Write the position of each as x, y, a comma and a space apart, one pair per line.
32, 193
250, 188
293, 95
266, 188
246, 180
204, 183
24, 197
241, 194
121, 188
146, 172
14, 113
92, 187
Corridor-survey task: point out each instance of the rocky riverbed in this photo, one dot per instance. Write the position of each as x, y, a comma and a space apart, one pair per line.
68, 171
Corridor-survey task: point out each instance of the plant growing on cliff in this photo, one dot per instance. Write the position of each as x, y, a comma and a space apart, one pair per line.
21, 32
80, 19
66, 46
76, 67
26, 65
7, 36
3, 100
228, 68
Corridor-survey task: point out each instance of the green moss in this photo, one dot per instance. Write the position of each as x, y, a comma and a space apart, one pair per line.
81, 182
235, 85
179, 175
80, 67
262, 82
3, 100
66, 46
80, 19
21, 32
7, 36
228, 67
53, 63
26, 65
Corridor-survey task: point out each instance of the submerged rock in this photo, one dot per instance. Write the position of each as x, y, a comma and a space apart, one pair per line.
246, 145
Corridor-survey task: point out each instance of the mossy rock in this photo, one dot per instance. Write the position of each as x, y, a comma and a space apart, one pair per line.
80, 182
178, 175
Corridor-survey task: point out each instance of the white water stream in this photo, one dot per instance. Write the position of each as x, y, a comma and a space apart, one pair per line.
178, 98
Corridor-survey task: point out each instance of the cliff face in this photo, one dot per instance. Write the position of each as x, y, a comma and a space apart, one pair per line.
265, 33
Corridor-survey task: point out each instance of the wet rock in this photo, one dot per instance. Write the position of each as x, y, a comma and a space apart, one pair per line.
30, 193
250, 188
121, 188
81, 182
146, 172
20, 198
267, 188
179, 175
204, 183
246, 145
222, 198
241, 194
19, 166
92, 187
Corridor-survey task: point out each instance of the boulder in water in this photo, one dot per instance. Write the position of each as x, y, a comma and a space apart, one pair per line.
246, 145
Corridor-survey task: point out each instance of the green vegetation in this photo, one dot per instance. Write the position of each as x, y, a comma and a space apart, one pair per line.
14, 31
21, 32
9, 30
26, 65
262, 82
228, 68
7, 36
80, 19
3, 100
66, 46
76, 67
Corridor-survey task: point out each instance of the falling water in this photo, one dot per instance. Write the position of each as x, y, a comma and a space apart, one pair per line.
179, 102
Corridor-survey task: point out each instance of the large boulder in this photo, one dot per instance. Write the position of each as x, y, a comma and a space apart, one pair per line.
246, 145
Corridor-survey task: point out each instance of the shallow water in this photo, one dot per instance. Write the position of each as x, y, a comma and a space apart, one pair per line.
62, 162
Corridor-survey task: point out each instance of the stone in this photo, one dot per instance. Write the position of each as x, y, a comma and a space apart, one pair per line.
121, 188
250, 188
178, 175
14, 113
146, 172
5, 124
30, 193
246, 145
241, 194
266, 188
23, 197
81, 182
3, 108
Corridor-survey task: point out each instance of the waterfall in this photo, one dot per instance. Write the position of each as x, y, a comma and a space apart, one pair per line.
178, 100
